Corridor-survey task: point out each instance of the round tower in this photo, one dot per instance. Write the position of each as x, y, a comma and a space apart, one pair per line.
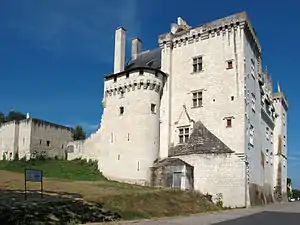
130, 124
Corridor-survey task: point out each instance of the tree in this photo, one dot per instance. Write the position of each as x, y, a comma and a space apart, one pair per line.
79, 134
2, 117
289, 191
14, 116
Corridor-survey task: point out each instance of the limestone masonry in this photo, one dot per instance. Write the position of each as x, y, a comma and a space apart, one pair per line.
198, 112
33, 137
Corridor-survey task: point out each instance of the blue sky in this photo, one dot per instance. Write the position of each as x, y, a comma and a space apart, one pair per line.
54, 54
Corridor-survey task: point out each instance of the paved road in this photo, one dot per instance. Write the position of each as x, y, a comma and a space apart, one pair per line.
277, 214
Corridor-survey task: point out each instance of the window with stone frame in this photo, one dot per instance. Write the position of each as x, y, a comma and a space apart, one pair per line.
253, 102
267, 133
251, 137
197, 64
253, 68
271, 137
230, 64
121, 110
197, 99
153, 108
184, 134
229, 122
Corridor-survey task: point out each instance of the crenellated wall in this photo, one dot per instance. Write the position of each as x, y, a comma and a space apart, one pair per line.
127, 143
31, 136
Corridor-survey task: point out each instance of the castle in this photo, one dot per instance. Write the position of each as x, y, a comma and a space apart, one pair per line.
196, 113
33, 137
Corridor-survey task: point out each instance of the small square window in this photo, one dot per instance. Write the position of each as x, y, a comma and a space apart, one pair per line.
232, 98
141, 72
229, 64
121, 110
228, 122
48, 143
153, 108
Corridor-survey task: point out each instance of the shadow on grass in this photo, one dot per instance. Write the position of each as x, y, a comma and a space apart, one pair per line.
53, 208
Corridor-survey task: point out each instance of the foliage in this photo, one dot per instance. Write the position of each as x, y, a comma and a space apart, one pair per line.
288, 190
11, 116
220, 200
72, 170
296, 193
79, 134
2, 117
14, 115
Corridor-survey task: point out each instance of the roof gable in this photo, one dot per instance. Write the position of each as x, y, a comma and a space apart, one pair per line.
201, 141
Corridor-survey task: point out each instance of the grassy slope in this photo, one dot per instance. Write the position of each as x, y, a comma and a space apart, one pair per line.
131, 201
72, 170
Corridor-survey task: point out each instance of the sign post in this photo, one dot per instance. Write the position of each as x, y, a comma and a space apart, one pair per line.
33, 176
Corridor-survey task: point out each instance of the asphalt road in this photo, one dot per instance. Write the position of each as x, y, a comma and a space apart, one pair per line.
276, 214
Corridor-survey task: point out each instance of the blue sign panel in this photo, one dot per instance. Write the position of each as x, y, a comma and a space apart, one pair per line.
34, 175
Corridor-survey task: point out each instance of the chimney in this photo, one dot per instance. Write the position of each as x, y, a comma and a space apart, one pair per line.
136, 47
120, 41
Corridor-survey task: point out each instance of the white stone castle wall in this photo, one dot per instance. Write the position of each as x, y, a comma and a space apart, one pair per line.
8, 139
24, 140
218, 83
215, 174
280, 130
127, 145
253, 117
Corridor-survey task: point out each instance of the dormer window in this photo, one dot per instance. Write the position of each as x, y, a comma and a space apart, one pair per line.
184, 134
150, 63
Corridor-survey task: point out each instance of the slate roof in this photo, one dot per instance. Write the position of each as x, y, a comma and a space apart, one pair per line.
201, 141
149, 58
169, 161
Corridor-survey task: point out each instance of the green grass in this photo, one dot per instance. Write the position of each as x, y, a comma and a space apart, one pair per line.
70, 170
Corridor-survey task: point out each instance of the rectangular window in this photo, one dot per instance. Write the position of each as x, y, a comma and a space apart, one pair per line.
62, 146
127, 74
229, 64
184, 134
197, 64
115, 78
252, 68
153, 108
271, 137
267, 133
253, 102
48, 143
197, 99
121, 110
141, 72
251, 137
228, 122
40, 141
